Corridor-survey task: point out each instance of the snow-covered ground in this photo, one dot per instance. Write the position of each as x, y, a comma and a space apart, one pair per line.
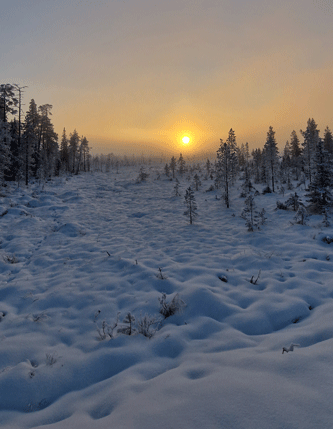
79, 251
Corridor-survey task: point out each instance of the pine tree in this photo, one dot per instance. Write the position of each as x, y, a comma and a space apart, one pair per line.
181, 163
191, 205
257, 161
8, 101
226, 165
5, 138
64, 152
320, 189
328, 141
295, 153
208, 166
73, 149
48, 143
176, 189
311, 138
271, 156
249, 214
286, 164
84, 149
197, 182
129, 321
30, 140
294, 202
173, 165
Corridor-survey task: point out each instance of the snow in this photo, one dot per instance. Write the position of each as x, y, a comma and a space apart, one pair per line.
77, 251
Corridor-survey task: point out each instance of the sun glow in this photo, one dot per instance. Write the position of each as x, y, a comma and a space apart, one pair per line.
186, 139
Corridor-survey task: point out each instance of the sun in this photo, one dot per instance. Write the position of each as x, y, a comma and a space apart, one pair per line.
185, 139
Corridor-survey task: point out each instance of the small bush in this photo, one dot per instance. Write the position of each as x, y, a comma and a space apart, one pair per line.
145, 323
281, 206
328, 240
168, 309
267, 190
106, 330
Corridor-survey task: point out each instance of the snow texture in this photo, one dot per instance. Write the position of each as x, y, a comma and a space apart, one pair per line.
78, 255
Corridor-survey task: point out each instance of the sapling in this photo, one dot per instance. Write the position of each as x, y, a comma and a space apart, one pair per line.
301, 216
190, 202
176, 189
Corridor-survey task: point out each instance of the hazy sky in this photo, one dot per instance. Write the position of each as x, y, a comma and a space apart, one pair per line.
144, 73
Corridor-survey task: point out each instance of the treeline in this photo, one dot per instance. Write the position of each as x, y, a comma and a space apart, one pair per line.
29, 147
307, 159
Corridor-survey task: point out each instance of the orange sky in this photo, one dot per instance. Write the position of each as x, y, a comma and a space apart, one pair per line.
136, 76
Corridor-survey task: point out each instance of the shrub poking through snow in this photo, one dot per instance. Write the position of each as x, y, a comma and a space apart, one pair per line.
129, 321
267, 190
290, 348
281, 206
328, 240
168, 309
253, 280
145, 324
160, 275
11, 259
107, 330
